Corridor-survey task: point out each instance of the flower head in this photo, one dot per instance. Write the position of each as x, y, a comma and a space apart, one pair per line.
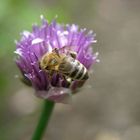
33, 45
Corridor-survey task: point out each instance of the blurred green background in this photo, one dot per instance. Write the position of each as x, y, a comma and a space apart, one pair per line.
108, 109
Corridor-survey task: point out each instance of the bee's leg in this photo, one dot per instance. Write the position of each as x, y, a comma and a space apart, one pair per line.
50, 74
68, 81
73, 54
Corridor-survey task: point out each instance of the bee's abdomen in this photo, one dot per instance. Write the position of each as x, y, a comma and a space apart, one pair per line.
78, 72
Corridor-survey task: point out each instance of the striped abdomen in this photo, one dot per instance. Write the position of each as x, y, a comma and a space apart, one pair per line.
73, 69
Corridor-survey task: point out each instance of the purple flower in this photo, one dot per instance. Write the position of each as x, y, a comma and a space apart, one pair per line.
33, 45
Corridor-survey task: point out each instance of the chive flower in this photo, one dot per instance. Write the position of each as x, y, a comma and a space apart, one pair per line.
44, 38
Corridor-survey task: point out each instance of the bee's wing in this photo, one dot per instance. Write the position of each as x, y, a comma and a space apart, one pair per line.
67, 50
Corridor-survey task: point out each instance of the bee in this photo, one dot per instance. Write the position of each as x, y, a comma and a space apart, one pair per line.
63, 63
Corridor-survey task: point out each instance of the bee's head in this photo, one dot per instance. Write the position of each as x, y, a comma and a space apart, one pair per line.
48, 62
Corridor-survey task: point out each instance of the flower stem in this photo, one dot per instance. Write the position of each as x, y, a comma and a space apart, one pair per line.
44, 119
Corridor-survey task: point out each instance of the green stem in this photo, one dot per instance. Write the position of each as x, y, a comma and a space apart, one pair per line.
43, 121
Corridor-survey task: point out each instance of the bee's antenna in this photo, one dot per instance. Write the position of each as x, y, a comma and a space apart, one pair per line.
56, 51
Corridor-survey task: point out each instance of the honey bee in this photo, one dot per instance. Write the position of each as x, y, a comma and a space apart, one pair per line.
65, 64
